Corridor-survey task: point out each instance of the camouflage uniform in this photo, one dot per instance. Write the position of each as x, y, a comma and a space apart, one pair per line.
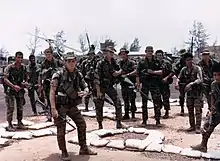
46, 71
65, 81
207, 79
105, 80
165, 86
33, 71
16, 77
88, 69
194, 96
128, 93
150, 83
178, 65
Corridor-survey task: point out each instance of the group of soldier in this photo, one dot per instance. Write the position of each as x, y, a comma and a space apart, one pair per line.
65, 83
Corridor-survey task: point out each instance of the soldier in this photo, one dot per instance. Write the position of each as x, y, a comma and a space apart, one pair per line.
165, 81
176, 71
87, 68
48, 67
128, 94
33, 71
67, 88
15, 77
149, 72
206, 64
214, 116
192, 76
106, 72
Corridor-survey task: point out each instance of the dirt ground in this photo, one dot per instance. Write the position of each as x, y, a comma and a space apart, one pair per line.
46, 149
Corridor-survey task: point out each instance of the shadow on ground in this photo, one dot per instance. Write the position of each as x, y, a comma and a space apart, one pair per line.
73, 157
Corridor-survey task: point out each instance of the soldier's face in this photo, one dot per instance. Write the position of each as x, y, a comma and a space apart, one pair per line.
48, 55
123, 55
205, 56
149, 55
109, 54
217, 76
32, 59
159, 56
71, 63
188, 61
19, 58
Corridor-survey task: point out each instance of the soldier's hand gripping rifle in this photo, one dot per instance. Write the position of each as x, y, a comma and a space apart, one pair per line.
46, 111
132, 86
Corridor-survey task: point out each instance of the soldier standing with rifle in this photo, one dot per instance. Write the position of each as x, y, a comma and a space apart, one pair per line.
33, 71
87, 69
149, 72
15, 78
206, 64
165, 81
128, 94
192, 76
48, 67
214, 115
67, 89
105, 75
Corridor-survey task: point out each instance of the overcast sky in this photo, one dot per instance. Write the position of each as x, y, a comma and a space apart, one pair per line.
161, 23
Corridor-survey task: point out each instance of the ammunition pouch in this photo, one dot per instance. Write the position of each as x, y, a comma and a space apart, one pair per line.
71, 92
65, 100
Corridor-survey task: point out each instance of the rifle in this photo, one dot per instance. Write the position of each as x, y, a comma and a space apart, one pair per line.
47, 112
132, 86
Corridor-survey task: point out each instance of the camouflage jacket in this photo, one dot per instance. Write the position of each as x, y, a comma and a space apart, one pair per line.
88, 68
215, 92
127, 66
167, 69
207, 71
177, 66
48, 68
104, 72
142, 68
15, 76
63, 77
33, 72
195, 74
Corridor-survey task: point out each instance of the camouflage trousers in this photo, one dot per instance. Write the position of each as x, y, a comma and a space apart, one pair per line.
195, 104
10, 103
206, 90
165, 92
156, 97
182, 95
210, 123
47, 95
31, 94
129, 96
75, 114
86, 99
99, 103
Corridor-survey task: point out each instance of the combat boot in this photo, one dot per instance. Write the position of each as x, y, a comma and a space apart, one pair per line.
10, 127
119, 125
133, 115
192, 128
182, 111
84, 150
202, 146
158, 124
100, 125
198, 131
20, 125
65, 156
126, 116
166, 116
143, 124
